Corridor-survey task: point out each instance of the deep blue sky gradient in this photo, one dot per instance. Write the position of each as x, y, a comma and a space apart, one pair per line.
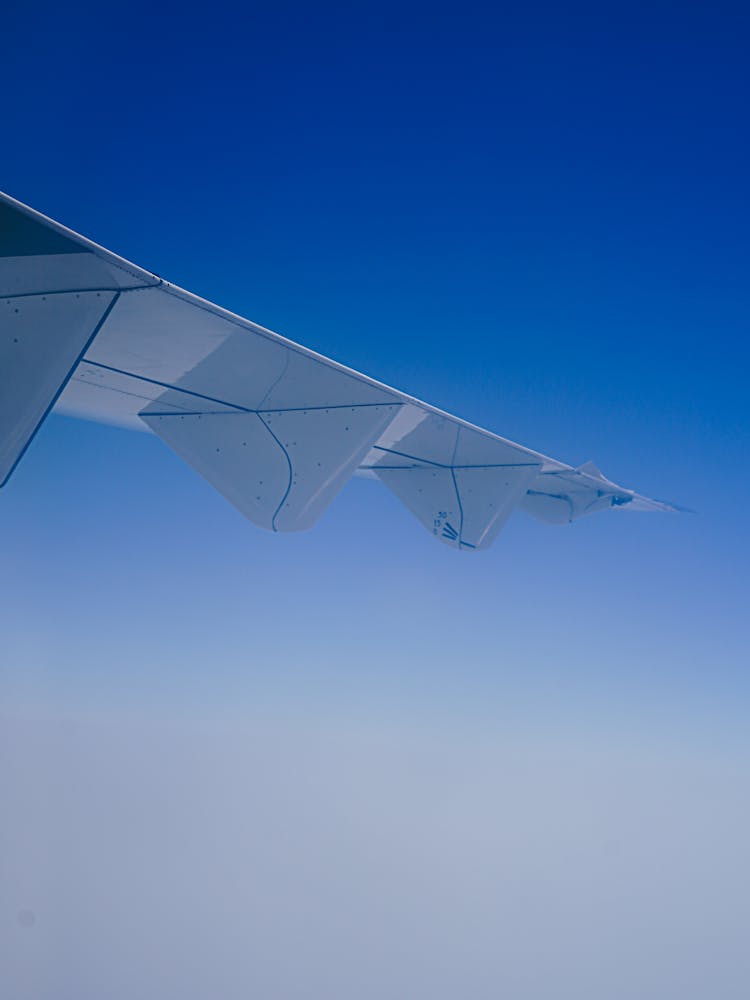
535, 217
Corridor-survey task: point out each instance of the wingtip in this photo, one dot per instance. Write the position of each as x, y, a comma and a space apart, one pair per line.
664, 506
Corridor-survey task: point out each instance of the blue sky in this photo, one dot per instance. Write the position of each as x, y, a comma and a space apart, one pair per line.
537, 219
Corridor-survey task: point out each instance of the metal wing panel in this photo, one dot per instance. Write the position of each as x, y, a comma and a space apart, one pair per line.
310, 382
465, 508
436, 439
324, 447
162, 337
236, 453
281, 469
99, 393
430, 494
42, 340
64, 272
168, 341
488, 497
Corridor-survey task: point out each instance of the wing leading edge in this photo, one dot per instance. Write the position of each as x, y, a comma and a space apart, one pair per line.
275, 427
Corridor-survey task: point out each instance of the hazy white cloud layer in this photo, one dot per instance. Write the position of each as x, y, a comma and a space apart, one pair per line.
284, 859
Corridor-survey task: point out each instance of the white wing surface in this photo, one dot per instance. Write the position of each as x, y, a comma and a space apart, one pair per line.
275, 427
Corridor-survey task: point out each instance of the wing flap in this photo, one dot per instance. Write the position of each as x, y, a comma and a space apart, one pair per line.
42, 340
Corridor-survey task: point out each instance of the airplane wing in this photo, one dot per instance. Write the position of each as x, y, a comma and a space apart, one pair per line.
275, 427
